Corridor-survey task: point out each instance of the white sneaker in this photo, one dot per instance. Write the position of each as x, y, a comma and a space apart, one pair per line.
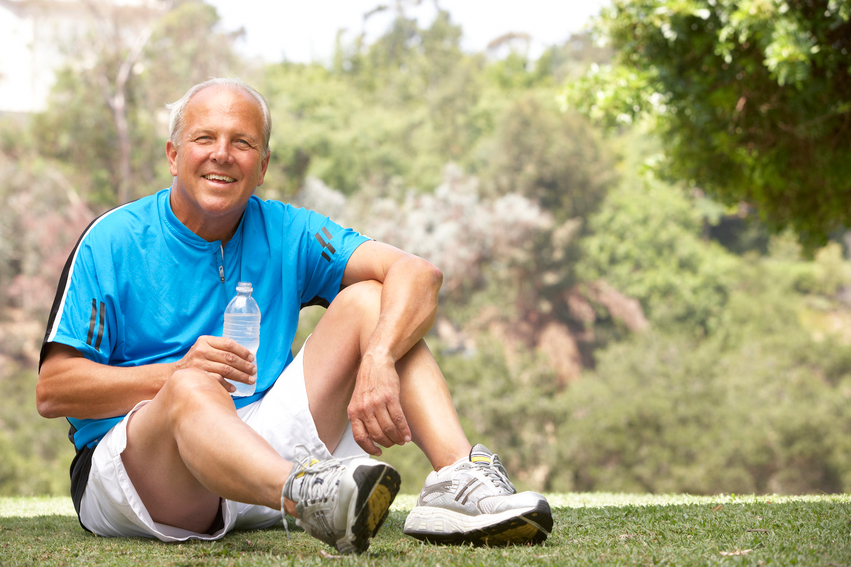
341, 503
473, 502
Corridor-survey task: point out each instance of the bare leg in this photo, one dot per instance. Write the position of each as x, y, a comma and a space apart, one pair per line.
428, 406
188, 447
331, 359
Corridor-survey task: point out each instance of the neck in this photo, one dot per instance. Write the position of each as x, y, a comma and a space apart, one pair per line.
209, 227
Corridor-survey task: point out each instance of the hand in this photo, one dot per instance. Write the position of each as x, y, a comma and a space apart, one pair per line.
375, 412
221, 358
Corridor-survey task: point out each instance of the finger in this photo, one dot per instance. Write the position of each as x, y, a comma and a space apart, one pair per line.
227, 385
230, 345
400, 422
389, 434
220, 379
232, 373
363, 439
238, 363
219, 349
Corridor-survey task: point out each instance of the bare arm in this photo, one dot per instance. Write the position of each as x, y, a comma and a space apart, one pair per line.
408, 309
408, 297
70, 385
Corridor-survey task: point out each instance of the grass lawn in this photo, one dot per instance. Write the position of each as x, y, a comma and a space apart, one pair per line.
598, 529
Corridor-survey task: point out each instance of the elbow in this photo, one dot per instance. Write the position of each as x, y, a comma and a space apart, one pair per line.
432, 274
44, 402
436, 278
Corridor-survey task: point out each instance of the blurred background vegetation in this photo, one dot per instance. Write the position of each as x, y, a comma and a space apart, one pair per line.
642, 231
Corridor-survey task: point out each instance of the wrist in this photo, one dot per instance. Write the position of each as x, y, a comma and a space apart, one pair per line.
380, 355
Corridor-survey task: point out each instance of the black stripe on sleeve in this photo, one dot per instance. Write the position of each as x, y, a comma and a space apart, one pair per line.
92, 322
329, 237
100, 326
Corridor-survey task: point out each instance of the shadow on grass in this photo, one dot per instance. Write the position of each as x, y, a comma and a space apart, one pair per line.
744, 533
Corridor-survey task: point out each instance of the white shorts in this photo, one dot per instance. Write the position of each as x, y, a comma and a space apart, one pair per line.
111, 506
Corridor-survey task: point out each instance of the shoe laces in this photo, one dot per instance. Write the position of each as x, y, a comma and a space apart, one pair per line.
318, 483
497, 474
320, 478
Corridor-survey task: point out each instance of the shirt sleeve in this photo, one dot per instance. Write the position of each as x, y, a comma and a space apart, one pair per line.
83, 316
326, 249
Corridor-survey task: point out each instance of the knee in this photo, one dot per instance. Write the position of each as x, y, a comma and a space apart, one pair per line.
189, 388
363, 296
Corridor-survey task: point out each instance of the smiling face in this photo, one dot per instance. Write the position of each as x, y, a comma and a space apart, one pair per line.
218, 161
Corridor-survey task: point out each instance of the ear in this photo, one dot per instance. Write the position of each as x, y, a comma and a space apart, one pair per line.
263, 166
171, 154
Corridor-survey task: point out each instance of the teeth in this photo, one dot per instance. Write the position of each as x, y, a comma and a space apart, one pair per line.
213, 177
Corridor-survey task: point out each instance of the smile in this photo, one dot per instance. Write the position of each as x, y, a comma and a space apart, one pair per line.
214, 177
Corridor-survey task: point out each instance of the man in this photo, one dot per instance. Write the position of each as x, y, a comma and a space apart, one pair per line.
133, 357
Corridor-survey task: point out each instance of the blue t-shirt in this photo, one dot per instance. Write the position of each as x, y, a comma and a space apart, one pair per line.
140, 287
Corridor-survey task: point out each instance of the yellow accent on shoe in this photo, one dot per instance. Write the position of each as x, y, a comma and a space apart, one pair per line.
378, 503
312, 462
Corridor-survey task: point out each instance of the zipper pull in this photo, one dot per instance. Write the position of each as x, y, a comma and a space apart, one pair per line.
222, 264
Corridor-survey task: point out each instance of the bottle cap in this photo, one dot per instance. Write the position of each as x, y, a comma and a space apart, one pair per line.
244, 287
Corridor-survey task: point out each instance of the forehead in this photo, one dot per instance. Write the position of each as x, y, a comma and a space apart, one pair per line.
222, 107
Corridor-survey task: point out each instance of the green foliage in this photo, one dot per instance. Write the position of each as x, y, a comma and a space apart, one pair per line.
668, 414
553, 158
825, 276
751, 97
755, 405
34, 452
187, 47
77, 128
490, 396
41, 217
647, 242
396, 110
326, 128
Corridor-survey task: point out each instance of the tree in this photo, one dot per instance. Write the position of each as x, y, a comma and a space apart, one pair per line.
646, 242
119, 59
752, 98
393, 111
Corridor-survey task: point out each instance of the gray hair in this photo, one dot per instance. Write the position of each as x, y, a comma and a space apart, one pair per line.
178, 109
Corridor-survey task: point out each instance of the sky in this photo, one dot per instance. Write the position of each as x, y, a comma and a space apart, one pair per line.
305, 30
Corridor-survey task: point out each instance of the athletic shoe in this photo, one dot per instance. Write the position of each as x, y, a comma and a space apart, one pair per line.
473, 502
341, 503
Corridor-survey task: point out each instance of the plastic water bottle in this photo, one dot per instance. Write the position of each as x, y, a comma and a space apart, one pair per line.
242, 324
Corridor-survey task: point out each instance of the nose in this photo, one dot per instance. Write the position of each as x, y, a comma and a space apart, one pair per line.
221, 151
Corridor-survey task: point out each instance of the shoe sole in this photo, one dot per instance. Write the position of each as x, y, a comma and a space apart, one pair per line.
528, 528
377, 488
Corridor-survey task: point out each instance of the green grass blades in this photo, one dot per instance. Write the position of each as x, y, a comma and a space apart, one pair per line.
590, 529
